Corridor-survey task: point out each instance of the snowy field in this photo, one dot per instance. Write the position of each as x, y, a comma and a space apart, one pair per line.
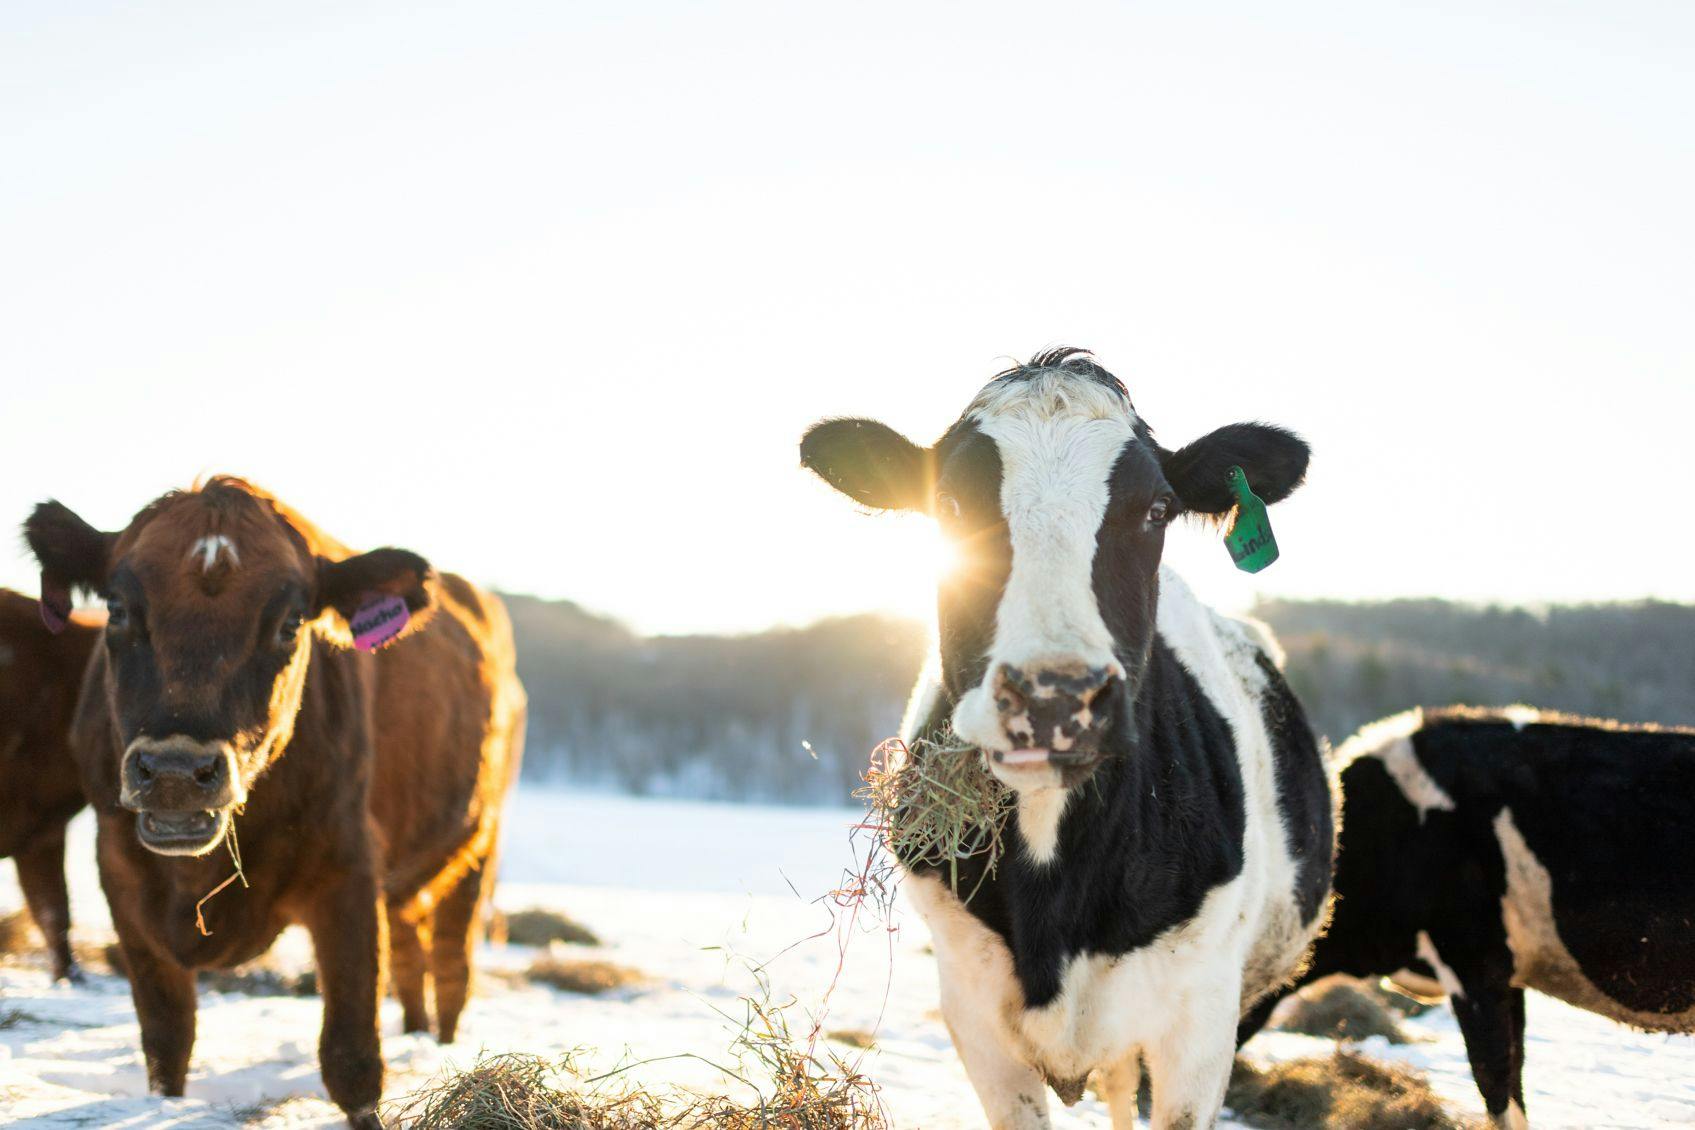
690, 894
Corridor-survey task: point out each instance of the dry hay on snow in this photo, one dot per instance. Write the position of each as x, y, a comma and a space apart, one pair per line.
1344, 1091
583, 976
1339, 1008
520, 1092
540, 928
525, 1092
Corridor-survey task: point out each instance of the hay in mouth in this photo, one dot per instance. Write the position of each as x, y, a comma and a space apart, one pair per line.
937, 803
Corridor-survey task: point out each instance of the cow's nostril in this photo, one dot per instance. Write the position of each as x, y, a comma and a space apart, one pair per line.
208, 774
143, 770
1010, 689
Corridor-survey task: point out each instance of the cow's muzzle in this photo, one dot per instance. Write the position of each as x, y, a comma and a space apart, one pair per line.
1053, 715
183, 792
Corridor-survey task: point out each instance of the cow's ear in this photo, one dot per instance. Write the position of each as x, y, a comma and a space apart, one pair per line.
871, 463
73, 555
1273, 459
374, 598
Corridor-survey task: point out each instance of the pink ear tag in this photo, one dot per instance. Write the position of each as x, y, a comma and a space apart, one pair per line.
378, 621
55, 605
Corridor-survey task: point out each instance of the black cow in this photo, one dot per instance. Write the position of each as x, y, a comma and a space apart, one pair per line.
1170, 852
1484, 852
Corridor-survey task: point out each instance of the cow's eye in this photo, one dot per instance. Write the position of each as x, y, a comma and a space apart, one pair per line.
117, 614
947, 506
1162, 511
289, 630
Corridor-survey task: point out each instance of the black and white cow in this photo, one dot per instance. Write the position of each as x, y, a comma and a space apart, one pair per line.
1487, 852
1170, 852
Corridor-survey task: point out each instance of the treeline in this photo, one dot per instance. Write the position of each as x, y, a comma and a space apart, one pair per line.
788, 715
1351, 663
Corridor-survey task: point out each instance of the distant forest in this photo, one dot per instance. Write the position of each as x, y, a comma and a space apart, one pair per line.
789, 715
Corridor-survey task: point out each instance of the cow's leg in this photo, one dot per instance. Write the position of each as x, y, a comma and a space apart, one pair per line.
1013, 1094
41, 874
163, 992
406, 968
1121, 1085
452, 942
346, 921
1189, 1065
1491, 1016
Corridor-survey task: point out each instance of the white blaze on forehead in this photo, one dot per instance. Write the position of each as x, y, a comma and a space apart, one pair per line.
1058, 435
210, 548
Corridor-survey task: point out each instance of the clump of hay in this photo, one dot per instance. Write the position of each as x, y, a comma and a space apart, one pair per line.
1342, 1092
810, 1088
1339, 1008
540, 928
520, 1092
17, 933
591, 978
934, 801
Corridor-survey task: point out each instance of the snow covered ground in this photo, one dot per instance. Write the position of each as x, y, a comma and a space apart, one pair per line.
689, 894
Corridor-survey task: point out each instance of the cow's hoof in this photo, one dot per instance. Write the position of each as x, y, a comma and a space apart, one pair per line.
369, 1120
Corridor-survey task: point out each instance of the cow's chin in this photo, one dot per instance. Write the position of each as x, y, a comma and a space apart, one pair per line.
1031, 769
182, 833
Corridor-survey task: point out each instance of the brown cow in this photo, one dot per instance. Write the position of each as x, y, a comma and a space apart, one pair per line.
227, 711
39, 791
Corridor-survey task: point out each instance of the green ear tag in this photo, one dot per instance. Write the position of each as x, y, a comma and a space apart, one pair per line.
1249, 539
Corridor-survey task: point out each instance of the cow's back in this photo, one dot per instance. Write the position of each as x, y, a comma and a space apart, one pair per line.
40, 677
449, 737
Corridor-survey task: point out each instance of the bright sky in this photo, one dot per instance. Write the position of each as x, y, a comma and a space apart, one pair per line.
548, 292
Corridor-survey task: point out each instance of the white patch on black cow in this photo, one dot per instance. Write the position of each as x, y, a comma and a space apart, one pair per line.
1390, 741
1541, 960
1445, 977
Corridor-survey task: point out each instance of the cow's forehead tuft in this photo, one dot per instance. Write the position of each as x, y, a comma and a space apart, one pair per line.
1052, 394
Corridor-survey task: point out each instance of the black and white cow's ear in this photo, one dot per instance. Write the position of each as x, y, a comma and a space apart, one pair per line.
73, 555
1274, 460
374, 598
871, 463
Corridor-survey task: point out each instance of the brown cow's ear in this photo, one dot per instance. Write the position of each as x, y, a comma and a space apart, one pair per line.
73, 555
375, 598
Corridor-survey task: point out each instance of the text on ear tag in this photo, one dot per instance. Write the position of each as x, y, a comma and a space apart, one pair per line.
378, 621
55, 605
1249, 539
